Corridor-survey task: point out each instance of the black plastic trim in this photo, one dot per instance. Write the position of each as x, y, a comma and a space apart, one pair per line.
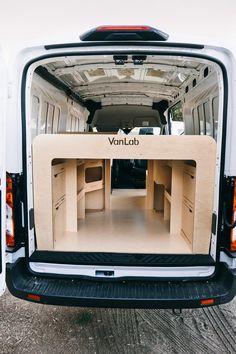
213, 223
43, 73
122, 259
124, 43
123, 34
31, 218
122, 293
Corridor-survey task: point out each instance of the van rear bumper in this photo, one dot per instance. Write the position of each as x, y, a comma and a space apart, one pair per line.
71, 291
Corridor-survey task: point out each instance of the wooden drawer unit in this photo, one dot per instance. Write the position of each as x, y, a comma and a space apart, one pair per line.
189, 183
59, 219
58, 182
187, 220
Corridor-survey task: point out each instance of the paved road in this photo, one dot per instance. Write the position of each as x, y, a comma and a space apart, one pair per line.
35, 329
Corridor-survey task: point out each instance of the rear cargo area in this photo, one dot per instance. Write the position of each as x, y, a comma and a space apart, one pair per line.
127, 162
126, 227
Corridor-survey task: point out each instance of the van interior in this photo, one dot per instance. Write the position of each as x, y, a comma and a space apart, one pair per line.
142, 192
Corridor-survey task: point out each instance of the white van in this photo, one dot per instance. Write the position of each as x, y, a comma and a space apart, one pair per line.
120, 172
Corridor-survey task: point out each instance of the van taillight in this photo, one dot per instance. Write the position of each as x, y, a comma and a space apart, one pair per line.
124, 33
233, 230
10, 237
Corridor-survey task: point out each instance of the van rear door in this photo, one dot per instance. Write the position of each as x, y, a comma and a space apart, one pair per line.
2, 172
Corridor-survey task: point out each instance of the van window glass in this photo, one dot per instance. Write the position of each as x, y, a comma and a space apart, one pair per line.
176, 116
34, 116
215, 110
142, 131
208, 118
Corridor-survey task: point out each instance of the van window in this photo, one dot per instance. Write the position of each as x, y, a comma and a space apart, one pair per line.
176, 116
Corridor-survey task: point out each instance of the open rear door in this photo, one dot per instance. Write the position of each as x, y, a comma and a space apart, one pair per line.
2, 172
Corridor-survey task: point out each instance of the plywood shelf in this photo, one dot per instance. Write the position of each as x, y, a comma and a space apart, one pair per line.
80, 194
168, 196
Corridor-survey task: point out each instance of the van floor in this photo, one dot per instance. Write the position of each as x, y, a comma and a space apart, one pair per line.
126, 228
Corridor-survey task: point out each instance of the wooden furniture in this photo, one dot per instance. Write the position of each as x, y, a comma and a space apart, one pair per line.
48, 147
189, 186
77, 187
178, 180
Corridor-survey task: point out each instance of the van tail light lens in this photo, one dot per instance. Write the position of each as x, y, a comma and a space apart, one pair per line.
233, 230
124, 33
123, 28
10, 236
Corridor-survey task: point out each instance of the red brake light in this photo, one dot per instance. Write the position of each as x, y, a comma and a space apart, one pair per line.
124, 33
233, 231
10, 237
123, 28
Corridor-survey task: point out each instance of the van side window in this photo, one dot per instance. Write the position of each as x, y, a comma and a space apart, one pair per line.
34, 116
176, 116
215, 110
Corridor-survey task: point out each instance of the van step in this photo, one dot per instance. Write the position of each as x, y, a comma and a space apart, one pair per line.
129, 293
125, 259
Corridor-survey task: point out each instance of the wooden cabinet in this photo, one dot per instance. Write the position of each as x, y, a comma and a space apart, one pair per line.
189, 186
58, 182
59, 219
189, 181
187, 220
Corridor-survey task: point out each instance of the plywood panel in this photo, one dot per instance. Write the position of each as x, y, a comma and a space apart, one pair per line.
58, 182
189, 186
201, 149
71, 195
107, 183
94, 200
176, 196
